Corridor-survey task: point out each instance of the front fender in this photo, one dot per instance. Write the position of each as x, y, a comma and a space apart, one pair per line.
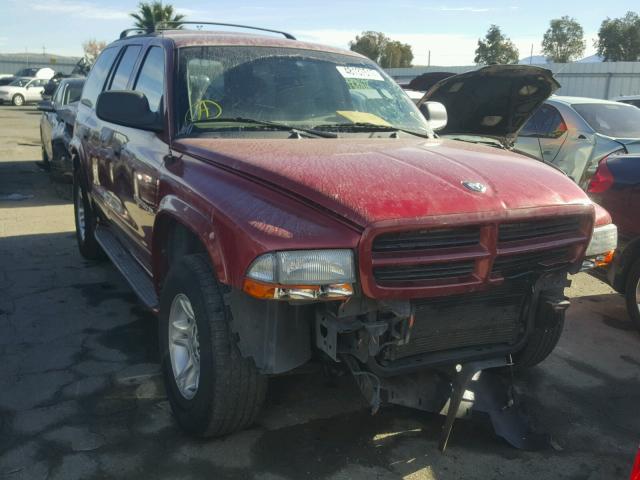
173, 209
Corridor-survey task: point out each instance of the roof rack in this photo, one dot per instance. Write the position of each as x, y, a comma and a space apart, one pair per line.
139, 31
163, 26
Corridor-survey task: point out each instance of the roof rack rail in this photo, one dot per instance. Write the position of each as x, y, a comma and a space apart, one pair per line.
139, 31
164, 25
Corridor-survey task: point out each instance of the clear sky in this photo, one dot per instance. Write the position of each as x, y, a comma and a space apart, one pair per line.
450, 29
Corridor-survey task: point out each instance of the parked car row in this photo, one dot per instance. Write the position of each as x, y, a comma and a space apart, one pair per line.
56, 126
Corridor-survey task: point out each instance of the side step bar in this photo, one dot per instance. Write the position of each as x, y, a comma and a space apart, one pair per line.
128, 267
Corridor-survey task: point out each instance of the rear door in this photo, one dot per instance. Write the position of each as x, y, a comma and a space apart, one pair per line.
88, 127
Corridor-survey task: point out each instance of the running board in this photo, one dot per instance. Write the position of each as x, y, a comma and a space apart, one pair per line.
128, 267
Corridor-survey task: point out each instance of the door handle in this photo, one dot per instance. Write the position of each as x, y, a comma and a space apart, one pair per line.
581, 137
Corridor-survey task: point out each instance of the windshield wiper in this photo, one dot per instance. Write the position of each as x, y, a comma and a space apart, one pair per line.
188, 128
491, 143
368, 127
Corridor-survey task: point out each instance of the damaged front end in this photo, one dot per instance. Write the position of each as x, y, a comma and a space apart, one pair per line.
438, 317
431, 355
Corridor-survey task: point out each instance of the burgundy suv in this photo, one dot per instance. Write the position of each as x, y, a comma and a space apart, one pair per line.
280, 202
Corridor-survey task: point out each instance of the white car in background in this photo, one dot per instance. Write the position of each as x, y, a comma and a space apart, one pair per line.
23, 90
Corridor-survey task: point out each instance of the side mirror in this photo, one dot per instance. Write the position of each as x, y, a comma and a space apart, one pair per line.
46, 106
129, 109
435, 113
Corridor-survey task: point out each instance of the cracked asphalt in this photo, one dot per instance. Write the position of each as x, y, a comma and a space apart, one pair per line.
81, 396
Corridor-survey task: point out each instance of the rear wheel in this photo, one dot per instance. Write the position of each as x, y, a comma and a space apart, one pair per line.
17, 100
85, 220
632, 293
212, 389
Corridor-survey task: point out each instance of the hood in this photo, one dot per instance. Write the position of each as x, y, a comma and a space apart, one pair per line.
7, 88
427, 80
367, 181
493, 101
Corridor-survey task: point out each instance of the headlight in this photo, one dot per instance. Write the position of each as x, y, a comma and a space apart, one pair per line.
302, 275
603, 241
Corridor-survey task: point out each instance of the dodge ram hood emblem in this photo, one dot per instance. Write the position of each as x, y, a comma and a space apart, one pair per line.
475, 186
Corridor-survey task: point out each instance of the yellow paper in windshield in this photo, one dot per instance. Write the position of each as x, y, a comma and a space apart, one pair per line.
363, 117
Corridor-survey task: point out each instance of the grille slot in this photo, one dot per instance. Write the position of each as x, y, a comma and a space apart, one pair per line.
477, 320
418, 273
526, 262
511, 232
427, 239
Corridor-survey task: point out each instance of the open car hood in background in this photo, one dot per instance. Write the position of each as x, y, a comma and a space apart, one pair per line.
494, 101
427, 80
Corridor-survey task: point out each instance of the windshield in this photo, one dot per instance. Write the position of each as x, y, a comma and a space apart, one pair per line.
20, 82
621, 121
294, 87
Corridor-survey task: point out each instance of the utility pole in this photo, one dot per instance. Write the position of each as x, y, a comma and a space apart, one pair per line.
429, 59
531, 56
44, 50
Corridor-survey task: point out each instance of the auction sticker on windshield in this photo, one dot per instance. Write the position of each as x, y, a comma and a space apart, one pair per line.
359, 73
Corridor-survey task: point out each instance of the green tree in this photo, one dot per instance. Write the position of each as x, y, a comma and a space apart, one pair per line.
149, 14
382, 50
396, 54
564, 40
495, 48
619, 39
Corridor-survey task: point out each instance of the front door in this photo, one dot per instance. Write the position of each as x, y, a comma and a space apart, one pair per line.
137, 157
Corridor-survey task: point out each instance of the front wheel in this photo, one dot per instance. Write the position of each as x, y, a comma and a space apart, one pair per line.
632, 293
541, 343
212, 389
17, 100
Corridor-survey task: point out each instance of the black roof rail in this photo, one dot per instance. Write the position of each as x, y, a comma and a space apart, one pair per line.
163, 26
139, 31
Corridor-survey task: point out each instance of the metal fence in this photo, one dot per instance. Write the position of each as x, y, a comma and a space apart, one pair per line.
596, 80
10, 64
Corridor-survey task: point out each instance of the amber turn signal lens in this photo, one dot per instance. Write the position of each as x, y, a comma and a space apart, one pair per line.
265, 291
259, 290
604, 259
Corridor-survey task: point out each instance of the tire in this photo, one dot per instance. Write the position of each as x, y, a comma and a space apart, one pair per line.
632, 293
540, 345
17, 100
85, 220
229, 390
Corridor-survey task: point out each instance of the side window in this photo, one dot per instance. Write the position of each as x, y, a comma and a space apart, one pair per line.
532, 127
553, 126
151, 78
124, 68
97, 76
57, 97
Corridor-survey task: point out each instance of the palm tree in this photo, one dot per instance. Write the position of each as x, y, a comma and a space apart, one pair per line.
149, 14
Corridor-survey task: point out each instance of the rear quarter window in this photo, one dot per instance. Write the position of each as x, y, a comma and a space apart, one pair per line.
98, 76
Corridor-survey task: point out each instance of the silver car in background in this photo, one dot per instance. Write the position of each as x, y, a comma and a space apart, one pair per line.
575, 133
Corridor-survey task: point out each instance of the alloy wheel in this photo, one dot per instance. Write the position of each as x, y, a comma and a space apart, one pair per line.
184, 346
80, 214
